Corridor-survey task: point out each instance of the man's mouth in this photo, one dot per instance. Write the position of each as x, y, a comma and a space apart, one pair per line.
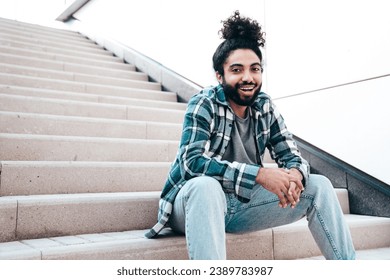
247, 87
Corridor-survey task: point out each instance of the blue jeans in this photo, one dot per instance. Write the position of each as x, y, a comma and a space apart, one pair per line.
203, 212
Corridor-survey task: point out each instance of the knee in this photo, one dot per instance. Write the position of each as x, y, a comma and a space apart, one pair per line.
319, 184
316, 179
205, 187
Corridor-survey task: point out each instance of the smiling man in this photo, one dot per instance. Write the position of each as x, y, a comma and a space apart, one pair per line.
218, 182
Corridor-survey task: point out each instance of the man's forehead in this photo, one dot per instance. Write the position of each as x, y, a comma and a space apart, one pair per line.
242, 57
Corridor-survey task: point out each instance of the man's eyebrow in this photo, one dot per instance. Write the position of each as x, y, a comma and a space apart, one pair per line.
240, 65
235, 65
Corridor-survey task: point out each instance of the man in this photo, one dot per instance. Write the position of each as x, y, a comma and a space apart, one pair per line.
218, 183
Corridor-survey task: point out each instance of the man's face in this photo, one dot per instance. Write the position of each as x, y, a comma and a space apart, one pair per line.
242, 77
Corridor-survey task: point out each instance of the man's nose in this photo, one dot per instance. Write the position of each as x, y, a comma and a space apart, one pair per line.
247, 76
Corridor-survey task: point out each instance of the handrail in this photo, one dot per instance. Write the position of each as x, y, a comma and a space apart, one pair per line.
331, 87
73, 8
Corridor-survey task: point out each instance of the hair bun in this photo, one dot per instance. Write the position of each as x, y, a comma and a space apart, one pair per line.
237, 27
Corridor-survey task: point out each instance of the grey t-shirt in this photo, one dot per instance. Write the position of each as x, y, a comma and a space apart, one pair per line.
242, 146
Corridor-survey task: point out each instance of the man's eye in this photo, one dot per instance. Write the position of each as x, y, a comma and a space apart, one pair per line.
236, 70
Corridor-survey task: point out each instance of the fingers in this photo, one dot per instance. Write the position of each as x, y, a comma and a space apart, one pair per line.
282, 195
286, 184
291, 196
295, 193
286, 194
297, 181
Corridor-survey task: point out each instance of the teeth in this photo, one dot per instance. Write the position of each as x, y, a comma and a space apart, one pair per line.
247, 87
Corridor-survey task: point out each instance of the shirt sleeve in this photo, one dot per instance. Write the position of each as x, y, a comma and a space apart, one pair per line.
194, 148
284, 149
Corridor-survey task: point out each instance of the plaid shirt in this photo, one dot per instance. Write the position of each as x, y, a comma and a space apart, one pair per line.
206, 133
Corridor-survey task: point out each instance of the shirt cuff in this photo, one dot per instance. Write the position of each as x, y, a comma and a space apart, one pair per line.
245, 183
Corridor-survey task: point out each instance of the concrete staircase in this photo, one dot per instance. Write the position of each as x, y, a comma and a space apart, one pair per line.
86, 142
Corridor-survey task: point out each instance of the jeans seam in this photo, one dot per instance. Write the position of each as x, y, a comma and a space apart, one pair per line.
327, 232
229, 205
185, 197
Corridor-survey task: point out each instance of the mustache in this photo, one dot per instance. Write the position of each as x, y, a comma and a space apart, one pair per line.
246, 84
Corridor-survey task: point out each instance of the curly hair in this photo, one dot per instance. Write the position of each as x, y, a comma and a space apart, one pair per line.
239, 33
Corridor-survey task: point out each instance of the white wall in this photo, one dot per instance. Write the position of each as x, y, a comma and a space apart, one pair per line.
321, 44
42, 12
317, 44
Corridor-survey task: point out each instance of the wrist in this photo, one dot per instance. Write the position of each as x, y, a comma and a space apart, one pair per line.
260, 176
297, 172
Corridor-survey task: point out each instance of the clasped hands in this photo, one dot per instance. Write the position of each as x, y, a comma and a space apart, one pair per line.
285, 183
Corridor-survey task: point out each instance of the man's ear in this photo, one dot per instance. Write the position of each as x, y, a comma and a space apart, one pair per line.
219, 77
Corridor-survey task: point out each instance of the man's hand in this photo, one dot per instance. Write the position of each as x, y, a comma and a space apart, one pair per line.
286, 184
295, 189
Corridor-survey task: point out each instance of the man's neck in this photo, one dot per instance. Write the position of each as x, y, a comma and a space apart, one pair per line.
239, 111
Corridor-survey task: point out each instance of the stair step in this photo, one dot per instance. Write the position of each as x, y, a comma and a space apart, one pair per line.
80, 43
26, 147
26, 123
85, 46
65, 66
74, 56
37, 31
51, 177
98, 54
89, 109
69, 76
138, 77
68, 81
65, 58
25, 81
132, 244
59, 177
37, 28
367, 233
33, 34
89, 97
370, 254
40, 216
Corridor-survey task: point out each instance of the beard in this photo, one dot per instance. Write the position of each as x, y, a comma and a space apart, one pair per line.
232, 94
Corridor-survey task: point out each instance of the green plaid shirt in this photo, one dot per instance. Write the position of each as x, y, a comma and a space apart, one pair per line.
206, 134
